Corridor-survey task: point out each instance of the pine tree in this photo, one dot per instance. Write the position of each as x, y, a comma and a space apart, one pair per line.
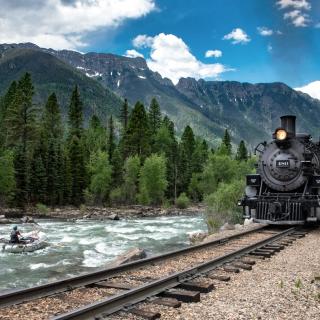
75, 119
242, 152
5, 102
38, 174
21, 134
137, 138
186, 150
226, 147
76, 153
154, 116
53, 133
124, 115
111, 139
96, 136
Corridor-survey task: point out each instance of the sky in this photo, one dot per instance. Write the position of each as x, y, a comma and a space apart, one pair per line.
242, 40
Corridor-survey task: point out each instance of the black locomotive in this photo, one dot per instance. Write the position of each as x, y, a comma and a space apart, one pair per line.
286, 188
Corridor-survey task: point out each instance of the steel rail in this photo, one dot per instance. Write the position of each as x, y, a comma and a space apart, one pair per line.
107, 306
17, 296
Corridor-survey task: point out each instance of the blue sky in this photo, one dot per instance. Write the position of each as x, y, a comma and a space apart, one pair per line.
252, 40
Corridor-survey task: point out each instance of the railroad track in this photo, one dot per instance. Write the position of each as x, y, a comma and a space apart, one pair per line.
122, 287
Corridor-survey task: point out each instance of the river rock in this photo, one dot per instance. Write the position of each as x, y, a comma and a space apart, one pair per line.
114, 217
27, 219
4, 221
129, 256
238, 226
197, 237
248, 222
227, 226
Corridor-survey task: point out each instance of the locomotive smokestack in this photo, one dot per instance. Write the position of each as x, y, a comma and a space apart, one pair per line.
289, 124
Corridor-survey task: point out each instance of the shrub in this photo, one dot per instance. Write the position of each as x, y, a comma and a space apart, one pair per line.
183, 201
116, 196
42, 208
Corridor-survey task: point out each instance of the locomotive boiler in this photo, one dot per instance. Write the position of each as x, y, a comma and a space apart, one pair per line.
286, 186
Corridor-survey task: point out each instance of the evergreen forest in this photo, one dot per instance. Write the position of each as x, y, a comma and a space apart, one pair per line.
134, 158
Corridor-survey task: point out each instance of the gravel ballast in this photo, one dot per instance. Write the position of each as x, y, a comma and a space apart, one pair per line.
280, 288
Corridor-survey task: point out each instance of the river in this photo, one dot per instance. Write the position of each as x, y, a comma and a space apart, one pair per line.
82, 246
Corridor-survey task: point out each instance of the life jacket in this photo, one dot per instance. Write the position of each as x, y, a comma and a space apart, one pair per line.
14, 236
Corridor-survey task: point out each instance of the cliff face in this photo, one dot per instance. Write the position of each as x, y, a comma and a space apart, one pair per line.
250, 111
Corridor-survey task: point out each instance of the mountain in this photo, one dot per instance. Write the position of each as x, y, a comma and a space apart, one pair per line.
50, 74
250, 111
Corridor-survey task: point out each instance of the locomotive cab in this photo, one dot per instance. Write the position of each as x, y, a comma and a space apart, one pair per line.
286, 187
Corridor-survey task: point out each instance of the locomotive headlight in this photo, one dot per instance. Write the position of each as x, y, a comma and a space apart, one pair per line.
281, 134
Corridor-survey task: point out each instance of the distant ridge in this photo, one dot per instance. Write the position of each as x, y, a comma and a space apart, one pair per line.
249, 111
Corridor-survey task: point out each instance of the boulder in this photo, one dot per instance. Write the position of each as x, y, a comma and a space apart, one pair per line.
248, 222
227, 226
129, 256
238, 226
113, 217
4, 221
197, 237
27, 219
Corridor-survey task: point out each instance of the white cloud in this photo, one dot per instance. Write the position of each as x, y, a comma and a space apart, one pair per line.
142, 41
296, 4
171, 57
269, 48
264, 31
297, 18
213, 53
317, 25
62, 24
238, 36
312, 89
133, 54
297, 14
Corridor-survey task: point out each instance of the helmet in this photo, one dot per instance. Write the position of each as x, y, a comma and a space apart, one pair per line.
15, 228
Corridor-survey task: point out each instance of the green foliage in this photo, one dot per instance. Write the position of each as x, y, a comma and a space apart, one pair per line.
116, 196
153, 181
7, 177
182, 201
42, 208
124, 115
100, 171
131, 178
137, 137
242, 152
226, 147
154, 116
75, 119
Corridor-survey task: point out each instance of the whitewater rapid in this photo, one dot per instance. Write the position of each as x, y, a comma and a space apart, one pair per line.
83, 246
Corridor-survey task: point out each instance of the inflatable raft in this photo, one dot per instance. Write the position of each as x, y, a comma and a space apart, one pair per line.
24, 247
29, 245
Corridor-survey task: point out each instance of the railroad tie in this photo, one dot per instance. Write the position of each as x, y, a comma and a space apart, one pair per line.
182, 295
274, 248
260, 254
231, 269
247, 261
144, 313
218, 277
202, 287
168, 302
242, 265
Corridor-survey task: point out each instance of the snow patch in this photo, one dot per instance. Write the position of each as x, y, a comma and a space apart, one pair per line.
118, 83
119, 73
142, 77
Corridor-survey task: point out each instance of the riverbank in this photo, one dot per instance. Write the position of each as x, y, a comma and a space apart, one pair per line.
99, 213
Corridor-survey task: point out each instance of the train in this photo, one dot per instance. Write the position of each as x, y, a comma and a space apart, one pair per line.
285, 190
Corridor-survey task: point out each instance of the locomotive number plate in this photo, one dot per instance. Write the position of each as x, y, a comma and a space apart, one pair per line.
283, 164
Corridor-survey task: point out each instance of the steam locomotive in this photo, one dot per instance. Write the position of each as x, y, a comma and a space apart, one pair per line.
286, 186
